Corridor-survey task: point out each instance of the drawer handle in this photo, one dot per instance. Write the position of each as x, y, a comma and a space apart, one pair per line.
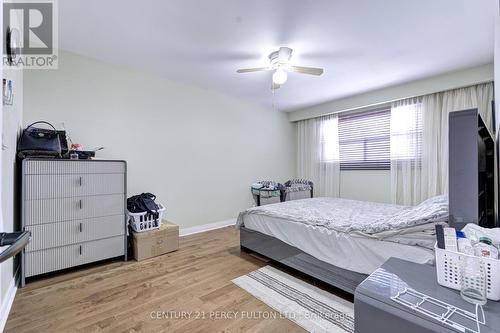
80, 180
81, 227
81, 250
81, 204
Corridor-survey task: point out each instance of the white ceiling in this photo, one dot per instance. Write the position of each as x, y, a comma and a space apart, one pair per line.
361, 44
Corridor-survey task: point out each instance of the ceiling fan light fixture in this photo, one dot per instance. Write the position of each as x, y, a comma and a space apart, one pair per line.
279, 63
280, 76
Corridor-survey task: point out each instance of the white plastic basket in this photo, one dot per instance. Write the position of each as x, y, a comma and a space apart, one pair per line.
141, 222
449, 266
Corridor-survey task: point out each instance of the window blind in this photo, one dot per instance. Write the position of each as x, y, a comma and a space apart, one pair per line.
365, 140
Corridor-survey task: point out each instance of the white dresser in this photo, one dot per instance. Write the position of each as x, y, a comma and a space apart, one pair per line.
75, 210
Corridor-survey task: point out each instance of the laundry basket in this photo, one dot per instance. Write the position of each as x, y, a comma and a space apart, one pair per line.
145, 221
449, 267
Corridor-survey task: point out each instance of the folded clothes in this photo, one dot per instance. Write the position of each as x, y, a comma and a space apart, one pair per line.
267, 189
257, 186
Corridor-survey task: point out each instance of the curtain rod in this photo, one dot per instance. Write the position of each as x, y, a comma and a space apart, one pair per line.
381, 105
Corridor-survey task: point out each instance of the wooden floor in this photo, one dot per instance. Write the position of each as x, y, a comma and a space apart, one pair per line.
124, 296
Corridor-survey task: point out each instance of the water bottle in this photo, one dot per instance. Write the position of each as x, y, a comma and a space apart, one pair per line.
473, 289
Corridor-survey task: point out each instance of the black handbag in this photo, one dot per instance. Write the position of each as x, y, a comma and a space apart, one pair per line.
36, 141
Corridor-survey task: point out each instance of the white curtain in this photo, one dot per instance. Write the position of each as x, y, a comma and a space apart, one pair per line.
406, 139
419, 140
478, 96
318, 154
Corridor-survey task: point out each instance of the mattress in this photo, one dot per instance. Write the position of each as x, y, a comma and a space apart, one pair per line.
349, 251
371, 219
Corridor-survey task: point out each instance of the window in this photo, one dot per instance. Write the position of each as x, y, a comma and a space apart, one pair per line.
365, 140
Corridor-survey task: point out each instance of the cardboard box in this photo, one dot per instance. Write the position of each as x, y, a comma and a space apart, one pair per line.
153, 243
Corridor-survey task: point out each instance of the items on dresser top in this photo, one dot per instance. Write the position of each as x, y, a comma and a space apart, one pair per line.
36, 141
81, 154
75, 211
64, 143
51, 143
156, 242
78, 153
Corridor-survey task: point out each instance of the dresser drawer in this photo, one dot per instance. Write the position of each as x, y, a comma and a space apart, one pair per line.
45, 236
49, 260
64, 167
63, 186
76, 208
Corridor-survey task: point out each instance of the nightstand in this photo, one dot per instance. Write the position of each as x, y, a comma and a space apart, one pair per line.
375, 311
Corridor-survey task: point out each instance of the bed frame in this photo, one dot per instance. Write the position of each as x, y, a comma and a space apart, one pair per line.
292, 257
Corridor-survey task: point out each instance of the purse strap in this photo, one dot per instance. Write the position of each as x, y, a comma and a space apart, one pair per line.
42, 122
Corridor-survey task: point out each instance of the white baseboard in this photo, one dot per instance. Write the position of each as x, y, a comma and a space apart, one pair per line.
206, 227
7, 303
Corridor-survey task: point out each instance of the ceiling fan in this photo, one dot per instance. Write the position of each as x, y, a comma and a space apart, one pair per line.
280, 64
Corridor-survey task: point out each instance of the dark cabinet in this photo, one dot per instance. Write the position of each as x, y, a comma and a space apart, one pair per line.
471, 170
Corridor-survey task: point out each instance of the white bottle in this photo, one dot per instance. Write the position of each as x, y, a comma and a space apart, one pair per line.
485, 249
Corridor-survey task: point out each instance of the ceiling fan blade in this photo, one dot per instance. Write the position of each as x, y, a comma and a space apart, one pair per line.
256, 69
275, 86
307, 70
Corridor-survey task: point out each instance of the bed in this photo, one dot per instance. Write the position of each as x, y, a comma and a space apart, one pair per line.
340, 241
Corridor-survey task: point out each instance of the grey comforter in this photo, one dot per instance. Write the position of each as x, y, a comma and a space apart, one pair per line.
359, 217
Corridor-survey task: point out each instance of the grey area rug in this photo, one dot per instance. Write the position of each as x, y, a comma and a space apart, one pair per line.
309, 307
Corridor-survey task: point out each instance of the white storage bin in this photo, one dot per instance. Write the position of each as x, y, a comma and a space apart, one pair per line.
143, 221
448, 268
